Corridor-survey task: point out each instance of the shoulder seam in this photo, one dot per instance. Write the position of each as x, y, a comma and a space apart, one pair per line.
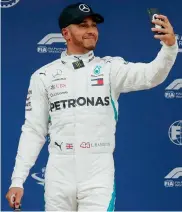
43, 68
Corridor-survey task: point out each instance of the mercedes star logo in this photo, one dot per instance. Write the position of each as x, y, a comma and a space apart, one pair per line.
58, 73
84, 8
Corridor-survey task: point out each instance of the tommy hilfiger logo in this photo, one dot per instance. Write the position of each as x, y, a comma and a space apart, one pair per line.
97, 82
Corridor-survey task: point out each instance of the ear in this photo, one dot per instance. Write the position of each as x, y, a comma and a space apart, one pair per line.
65, 33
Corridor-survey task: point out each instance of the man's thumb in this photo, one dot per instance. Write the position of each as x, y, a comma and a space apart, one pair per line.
18, 200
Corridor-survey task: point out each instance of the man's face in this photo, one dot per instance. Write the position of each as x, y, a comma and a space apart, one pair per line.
84, 35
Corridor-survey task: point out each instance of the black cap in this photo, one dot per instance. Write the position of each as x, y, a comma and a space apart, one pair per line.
76, 13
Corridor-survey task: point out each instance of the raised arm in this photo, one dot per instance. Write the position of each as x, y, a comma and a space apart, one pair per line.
138, 76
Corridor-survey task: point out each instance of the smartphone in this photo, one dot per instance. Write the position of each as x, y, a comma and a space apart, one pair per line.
17, 209
152, 12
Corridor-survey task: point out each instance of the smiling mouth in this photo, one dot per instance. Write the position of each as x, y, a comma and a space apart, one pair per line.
93, 38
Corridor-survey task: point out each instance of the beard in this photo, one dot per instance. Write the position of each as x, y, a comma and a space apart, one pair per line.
90, 47
88, 44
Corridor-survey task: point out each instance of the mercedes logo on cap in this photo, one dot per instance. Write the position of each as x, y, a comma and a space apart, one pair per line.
84, 8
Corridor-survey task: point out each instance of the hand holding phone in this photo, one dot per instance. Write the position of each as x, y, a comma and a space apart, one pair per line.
153, 12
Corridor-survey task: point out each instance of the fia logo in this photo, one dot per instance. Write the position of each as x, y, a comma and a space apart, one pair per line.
175, 133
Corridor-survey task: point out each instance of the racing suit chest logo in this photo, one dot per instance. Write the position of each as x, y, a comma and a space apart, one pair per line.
81, 101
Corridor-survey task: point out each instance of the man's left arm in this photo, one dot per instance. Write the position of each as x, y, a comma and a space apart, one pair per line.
139, 76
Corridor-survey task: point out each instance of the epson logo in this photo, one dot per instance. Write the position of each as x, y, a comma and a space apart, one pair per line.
81, 101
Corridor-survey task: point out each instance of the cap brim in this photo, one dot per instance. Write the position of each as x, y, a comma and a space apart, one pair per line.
95, 16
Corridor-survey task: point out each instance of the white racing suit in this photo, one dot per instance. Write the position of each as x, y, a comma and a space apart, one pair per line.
83, 108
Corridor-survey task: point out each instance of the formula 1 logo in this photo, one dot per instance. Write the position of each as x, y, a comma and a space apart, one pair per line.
52, 38
174, 174
172, 179
175, 85
8, 3
49, 44
173, 90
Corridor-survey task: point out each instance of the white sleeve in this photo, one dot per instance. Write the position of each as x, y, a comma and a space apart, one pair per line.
139, 76
34, 130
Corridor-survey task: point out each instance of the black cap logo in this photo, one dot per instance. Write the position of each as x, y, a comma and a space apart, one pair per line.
84, 8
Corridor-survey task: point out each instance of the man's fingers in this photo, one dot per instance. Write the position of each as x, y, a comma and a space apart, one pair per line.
163, 17
18, 200
168, 29
14, 200
14, 197
11, 205
159, 30
10, 197
159, 22
162, 37
11, 200
17, 205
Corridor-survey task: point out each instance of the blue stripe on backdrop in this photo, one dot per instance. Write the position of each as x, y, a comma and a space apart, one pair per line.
144, 153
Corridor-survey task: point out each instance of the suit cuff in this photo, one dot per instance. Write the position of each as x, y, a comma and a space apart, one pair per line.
17, 182
173, 47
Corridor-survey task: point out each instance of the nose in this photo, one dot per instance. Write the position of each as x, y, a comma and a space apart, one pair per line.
91, 29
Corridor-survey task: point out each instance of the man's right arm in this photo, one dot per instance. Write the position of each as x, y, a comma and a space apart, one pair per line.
34, 130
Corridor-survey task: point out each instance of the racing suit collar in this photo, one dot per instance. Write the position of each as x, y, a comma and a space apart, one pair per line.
86, 58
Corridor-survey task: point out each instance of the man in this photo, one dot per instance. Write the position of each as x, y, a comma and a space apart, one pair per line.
79, 94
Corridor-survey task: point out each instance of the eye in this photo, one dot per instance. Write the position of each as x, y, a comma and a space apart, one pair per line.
83, 25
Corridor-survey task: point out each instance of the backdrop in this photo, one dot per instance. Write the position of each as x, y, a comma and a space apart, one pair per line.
148, 155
